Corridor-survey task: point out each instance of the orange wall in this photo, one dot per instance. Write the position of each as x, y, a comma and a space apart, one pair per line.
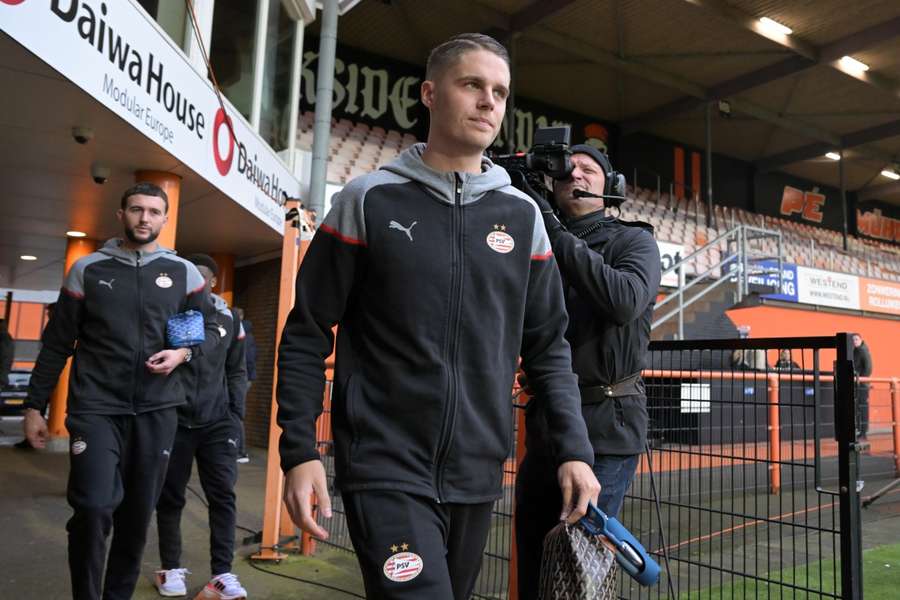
881, 335
26, 319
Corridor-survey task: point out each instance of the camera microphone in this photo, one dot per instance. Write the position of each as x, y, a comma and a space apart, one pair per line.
579, 193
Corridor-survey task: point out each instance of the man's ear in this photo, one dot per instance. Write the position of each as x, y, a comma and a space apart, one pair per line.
428, 93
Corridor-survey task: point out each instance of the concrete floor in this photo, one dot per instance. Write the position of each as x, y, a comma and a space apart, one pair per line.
33, 514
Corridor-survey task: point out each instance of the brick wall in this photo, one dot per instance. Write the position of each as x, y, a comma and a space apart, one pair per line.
256, 291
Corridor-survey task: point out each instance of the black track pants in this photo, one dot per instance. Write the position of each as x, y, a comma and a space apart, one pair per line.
410, 547
117, 467
215, 447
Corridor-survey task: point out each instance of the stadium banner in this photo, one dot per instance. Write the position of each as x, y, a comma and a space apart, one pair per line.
827, 288
116, 53
384, 92
878, 221
786, 197
765, 272
669, 254
877, 295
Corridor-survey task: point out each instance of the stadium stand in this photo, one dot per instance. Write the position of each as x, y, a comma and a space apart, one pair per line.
357, 148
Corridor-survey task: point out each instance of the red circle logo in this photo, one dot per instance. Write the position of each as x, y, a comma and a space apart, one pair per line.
222, 164
12, 2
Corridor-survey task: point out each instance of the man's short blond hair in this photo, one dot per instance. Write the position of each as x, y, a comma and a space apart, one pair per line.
447, 54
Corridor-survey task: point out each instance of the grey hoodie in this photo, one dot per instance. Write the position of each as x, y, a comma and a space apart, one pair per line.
438, 283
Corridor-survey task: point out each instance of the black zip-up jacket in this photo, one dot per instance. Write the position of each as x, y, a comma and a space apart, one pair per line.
214, 385
611, 272
115, 304
439, 282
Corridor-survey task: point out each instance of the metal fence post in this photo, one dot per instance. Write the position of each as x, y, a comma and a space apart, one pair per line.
848, 469
895, 417
520, 454
680, 302
774, 435
739, 267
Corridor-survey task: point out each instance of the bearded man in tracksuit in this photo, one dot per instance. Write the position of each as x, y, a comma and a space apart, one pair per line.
121, 413
209, 429
611, 272
439, 274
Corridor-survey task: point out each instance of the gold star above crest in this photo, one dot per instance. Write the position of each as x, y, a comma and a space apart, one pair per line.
404, 546
394, 548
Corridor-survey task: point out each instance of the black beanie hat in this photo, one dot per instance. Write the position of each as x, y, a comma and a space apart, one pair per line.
595, 153
204, 260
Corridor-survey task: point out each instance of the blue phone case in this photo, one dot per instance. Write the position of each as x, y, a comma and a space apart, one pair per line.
630, 554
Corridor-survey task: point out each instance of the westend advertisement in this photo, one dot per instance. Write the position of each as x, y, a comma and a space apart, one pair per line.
826, 288
115, 53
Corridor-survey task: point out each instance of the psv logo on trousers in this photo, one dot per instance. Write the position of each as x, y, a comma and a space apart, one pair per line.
403, 566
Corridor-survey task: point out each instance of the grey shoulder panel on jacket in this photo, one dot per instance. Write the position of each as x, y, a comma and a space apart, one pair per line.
194, 280
346, 219
74, 282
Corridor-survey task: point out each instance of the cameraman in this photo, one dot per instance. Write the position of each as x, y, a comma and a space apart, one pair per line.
611, 273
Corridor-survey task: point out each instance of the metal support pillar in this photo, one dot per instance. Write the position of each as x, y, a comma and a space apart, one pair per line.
324, 91
843, 198
709, 169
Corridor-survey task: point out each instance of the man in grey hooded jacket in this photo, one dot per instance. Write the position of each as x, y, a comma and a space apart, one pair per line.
440, 275
121, 413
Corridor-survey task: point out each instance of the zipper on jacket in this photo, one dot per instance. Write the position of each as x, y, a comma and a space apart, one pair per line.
448, 422
192, 406
140, 321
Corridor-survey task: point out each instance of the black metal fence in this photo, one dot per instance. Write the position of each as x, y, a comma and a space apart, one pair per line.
752, 491
749, 486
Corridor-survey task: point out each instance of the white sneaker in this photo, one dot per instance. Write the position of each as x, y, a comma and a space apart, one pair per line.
223, 587
170, 583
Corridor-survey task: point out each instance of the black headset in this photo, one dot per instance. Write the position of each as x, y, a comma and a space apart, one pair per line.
615, 181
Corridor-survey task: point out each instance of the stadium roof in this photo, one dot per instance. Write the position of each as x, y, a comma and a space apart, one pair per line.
651, 65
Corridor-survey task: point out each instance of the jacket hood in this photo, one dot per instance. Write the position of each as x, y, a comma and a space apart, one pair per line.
409, 164
114, 248
220, 303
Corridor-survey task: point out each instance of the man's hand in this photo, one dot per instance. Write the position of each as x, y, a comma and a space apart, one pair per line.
165, 361
519, 181
299, 485
579, 486
522, 380
35, 426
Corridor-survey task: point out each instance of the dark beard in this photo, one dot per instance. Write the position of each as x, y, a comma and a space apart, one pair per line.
129, 233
